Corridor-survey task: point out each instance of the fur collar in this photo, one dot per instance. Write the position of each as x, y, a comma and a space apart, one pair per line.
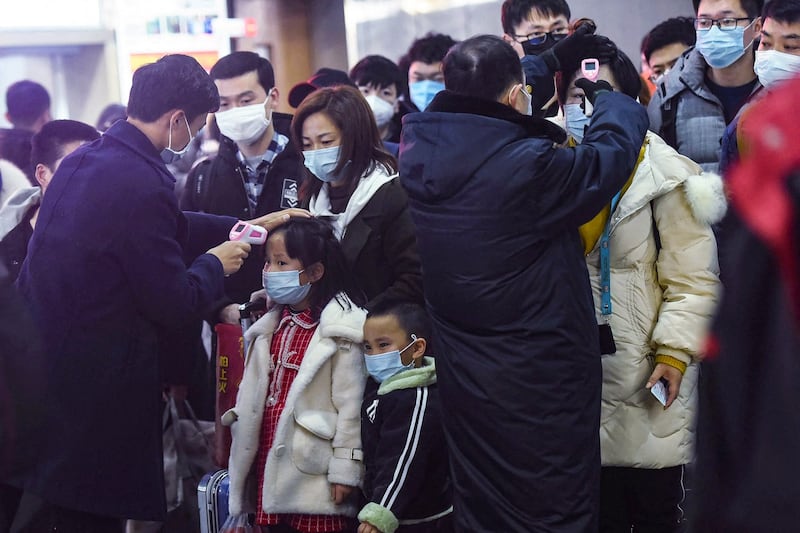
335, 321
411, 379
451, 102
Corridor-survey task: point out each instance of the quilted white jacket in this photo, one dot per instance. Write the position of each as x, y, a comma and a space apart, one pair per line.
664, 288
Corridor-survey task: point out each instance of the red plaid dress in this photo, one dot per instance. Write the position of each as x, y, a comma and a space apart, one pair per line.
289, 344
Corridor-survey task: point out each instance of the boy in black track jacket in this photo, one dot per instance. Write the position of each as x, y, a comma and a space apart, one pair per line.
407, 478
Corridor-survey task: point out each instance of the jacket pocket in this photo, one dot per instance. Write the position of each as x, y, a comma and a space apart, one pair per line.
312, 448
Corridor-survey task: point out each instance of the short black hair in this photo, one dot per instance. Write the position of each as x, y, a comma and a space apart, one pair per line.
751, 7
26, 100
674, 30
514, 12
238, 63
47, 146
175, 81
411, 317
111, 114
378, 71
625, 74
483, 66
786, 11
311, 240
428, 49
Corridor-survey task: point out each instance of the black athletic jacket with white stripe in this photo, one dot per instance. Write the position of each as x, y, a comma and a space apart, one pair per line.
407, 477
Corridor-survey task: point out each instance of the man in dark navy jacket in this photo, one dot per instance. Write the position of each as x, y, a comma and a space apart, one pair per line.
105, 271
497, 207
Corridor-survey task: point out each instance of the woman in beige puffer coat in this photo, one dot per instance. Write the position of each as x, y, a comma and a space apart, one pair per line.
664, 284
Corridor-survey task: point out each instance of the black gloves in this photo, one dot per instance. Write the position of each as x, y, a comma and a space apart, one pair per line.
592, 90
567, 54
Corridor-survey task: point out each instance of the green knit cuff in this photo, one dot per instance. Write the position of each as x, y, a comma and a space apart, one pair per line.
379, 516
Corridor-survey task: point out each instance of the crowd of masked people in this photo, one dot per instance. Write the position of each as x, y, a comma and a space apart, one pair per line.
493, 272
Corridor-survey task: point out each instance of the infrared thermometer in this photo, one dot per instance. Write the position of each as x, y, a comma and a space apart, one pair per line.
244, 232
590, 69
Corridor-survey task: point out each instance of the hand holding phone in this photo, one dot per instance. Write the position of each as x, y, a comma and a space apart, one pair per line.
661, 391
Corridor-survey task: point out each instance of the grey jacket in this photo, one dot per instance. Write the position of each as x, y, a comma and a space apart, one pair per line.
17, 207
699, 119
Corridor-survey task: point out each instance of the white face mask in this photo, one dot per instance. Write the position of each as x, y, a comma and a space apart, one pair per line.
576, 120
322, 162
245, 124
774, 67
169, 154
383, 110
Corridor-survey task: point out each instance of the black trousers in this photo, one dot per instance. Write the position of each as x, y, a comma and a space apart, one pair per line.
36, 516
9, 502
641, 500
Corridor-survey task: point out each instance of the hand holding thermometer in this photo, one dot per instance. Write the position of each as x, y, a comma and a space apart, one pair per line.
244, 232
590, 69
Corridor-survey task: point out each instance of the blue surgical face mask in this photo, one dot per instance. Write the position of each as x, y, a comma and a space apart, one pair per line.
170, 155
422, 92
284, 287
383, 366
720, 48
322, 162
576, 121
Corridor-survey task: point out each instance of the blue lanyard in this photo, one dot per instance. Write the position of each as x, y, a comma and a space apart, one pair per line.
605, 262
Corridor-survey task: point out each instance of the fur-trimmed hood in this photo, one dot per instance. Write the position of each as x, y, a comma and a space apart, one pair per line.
663, 170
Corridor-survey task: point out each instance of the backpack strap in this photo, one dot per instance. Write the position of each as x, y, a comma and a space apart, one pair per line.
195, 193
669, 113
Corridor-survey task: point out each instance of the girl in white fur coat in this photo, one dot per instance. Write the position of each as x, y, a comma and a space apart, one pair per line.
296, 425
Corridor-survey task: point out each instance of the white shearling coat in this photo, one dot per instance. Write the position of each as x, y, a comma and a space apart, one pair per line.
662, 301
318, 428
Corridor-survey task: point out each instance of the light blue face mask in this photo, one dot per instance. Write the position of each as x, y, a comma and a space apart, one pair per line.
322, 162
383, 366
284, 287
169, 155
422, 92
576, 121
720, 48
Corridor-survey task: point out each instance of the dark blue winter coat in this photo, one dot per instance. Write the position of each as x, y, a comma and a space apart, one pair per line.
497, 207
105, 271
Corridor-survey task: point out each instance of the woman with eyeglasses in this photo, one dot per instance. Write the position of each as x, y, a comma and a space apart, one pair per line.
353, 183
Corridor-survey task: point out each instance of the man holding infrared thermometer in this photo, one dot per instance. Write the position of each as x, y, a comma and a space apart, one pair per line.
106, 273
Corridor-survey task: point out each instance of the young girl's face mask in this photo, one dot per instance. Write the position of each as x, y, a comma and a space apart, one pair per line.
281, 276
284, 287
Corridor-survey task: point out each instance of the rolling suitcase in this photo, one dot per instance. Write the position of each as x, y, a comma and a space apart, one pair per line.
212, 498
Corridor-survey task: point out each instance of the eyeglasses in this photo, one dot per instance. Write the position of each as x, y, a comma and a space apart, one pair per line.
540, 37
724, 24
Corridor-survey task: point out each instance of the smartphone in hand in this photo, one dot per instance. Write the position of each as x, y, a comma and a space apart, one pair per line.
661, 391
